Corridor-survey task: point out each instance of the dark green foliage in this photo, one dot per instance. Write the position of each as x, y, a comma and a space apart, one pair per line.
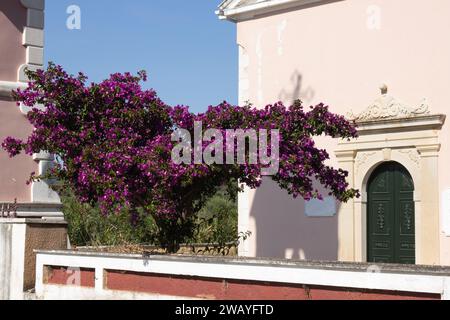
216, 223
218, 220
89, 227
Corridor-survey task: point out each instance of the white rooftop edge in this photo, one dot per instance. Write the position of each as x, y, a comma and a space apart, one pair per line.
238, 10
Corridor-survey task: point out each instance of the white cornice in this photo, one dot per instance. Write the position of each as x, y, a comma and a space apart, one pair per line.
230, 10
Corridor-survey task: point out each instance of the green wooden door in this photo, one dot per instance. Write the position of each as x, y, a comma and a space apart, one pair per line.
390, 215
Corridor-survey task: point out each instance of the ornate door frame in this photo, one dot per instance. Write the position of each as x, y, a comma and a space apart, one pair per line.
390, 131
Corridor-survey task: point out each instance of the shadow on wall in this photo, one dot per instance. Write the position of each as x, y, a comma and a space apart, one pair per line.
15, 12
296, 90
282, 230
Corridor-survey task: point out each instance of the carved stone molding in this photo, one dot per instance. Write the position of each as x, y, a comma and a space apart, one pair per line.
388, 107
362, 157
412, 154
345, 155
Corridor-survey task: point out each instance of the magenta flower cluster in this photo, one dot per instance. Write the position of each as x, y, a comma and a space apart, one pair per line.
114, 140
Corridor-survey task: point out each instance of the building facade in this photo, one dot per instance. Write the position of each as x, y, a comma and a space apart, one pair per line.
22, 46
36, 220
384, 64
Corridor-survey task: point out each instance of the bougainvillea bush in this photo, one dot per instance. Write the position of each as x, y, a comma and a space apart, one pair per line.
114, 142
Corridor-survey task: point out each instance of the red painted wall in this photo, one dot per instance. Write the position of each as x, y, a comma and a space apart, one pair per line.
63, 276
243, 290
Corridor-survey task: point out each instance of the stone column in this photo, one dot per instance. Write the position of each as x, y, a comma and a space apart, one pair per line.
346, 214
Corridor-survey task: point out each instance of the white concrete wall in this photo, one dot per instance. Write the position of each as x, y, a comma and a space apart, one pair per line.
12, 255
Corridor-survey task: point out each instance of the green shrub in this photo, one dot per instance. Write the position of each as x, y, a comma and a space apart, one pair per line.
216, 223
217, 220
89, 227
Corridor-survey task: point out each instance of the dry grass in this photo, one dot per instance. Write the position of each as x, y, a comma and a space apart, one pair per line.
195, 249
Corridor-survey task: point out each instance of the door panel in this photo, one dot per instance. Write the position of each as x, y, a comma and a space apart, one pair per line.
391, 225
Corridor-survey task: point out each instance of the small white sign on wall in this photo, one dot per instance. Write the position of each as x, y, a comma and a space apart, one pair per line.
321, 208
446, 212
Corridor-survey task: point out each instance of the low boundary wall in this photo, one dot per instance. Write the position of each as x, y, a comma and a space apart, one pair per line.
92, 275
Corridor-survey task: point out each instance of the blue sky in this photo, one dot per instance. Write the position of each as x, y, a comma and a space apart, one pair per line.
189, 54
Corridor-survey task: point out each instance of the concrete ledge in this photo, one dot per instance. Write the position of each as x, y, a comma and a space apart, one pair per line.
32, 221
323, 265
38, 210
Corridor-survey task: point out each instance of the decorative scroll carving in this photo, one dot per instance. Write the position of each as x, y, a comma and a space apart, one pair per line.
388, 107
362, 157
412, 154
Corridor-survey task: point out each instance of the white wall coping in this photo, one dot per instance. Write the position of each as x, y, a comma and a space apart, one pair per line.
37, 210
32, 221
420, 279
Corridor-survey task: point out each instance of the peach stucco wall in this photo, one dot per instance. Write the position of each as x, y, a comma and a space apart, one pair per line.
327, 53
13, 172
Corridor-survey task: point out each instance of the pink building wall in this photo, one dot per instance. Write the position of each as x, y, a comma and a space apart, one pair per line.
13, 172
12, 53
328, 53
